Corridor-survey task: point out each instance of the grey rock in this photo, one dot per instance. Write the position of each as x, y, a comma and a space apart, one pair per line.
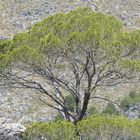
13, 136
26, 13
9, 131
2, 114
124, 16
3, 38
17, 115
133, 112
125, 2
23, 108
129, 24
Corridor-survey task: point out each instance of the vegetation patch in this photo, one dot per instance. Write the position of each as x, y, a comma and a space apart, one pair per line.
133, 98
92, 128
110, 109
60, 130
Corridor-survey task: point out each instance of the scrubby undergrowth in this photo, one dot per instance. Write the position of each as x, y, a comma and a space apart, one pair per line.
92, 128
133, 98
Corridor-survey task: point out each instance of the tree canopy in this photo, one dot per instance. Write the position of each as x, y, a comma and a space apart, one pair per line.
71, 54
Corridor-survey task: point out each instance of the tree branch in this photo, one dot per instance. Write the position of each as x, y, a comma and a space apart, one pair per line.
105, 99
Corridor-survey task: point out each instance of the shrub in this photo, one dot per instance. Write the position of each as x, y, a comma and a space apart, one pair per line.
133, 98
132, 94
126, 102
109, 128
93, 128
4, 46
60, 130
58, 117
92, 110
70, 102
110, 109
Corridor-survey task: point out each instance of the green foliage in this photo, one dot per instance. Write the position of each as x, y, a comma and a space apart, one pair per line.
31, 54
92, 128
133, 94
133, 98
23, 54
126, 102
110, 109
4, 61
70, 102
133, 64
109, 128
60, 130
4, 44
59, 117
92, 110
77, 31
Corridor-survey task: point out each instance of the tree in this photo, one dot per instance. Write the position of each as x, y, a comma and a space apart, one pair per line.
71, 54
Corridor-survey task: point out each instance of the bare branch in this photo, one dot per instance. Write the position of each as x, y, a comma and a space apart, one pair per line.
50, 105
105, 99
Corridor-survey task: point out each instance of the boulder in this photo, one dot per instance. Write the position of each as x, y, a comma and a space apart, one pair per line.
3, 38
10, 131
133, 112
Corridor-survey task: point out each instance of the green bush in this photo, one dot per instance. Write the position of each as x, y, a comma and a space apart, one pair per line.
93, 128
110, 109
58, 117
60, 130
133, 94
3, 46
70, 102
109, 128
133, 98
92, 110
126, 102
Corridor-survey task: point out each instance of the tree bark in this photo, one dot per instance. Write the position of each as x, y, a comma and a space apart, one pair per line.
84, 107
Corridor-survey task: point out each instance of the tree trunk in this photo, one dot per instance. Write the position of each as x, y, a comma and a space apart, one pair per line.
84, 107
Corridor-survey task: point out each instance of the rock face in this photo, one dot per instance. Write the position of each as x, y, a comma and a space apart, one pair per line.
133, 112
9, 131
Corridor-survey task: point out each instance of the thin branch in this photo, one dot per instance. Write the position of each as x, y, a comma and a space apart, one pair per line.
50, 105
105, 99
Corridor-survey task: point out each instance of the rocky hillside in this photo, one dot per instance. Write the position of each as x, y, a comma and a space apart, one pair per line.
19, 15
